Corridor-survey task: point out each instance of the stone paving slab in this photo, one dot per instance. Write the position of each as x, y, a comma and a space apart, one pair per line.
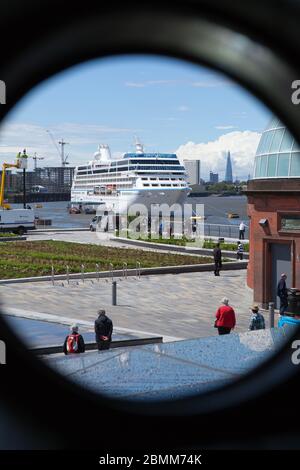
180, 306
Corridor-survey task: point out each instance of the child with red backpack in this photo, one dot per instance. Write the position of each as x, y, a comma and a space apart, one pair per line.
74, 343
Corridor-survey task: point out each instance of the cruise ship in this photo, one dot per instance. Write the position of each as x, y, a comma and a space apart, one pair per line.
136, 178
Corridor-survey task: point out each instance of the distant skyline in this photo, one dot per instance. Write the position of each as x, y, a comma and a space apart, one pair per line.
171, 105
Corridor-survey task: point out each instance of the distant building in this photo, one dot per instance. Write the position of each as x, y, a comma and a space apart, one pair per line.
193, 168
12, 182
56, 179
228, 171
213, 177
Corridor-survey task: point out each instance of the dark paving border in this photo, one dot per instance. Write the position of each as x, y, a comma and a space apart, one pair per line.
56, 349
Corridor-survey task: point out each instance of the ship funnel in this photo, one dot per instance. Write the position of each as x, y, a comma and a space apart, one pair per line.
97, 155
139, 148
105, 153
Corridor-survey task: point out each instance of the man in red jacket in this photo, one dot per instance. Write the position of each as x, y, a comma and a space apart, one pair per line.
225, 318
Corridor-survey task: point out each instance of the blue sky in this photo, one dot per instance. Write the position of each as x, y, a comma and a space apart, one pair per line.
169, 104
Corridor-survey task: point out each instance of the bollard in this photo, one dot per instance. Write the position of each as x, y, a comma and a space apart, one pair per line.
82, 272
68, 274
125, 270
98, 272
114, 293
271, 314
52, 274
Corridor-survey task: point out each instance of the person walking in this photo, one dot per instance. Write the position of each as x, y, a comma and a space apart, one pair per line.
225, 318
217, 259
242, 229
74, 342
257, 321
103, 330
240, 251
282, 293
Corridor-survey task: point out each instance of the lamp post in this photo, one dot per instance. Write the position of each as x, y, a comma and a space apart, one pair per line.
23, 160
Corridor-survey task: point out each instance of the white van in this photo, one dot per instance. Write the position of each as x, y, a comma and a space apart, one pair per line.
16, 220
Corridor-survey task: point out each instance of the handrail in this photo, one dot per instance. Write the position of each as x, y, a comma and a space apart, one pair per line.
227, 225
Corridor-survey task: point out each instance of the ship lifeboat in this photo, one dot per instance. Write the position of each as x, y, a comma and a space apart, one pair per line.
233, 215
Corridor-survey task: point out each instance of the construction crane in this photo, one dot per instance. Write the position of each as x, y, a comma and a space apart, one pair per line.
20, 163
61, 151
35, 158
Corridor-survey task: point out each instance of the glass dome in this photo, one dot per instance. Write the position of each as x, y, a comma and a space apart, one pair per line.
278, 154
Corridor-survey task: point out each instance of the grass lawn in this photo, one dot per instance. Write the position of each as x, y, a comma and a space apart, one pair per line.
26, 259
7, 234
207, 243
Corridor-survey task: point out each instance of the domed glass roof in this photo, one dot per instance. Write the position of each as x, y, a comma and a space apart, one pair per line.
278, 154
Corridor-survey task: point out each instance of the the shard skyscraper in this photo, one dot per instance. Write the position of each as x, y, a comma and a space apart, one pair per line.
228, 172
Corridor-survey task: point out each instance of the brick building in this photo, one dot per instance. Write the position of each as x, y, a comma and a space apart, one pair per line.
274, 212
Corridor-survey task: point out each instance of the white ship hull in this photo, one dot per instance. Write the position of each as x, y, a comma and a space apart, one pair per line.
121, 202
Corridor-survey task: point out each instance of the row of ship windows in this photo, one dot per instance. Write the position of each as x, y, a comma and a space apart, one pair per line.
134, 162
104, 180
132, 168
162, 184
88, 183
162, 179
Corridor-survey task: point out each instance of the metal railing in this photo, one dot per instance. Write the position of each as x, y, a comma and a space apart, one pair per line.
219, 230
83, 275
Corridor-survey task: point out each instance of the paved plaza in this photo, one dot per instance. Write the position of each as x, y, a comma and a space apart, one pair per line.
176, 306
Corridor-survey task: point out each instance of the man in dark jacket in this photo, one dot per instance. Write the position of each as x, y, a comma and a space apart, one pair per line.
282, 293
74, 343
217, 259
103, 330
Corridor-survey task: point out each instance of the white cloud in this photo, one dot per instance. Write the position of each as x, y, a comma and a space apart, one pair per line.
224, 128
242, 146
212, 83
14, 137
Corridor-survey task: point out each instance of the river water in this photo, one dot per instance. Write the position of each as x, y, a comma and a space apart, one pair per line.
215, 211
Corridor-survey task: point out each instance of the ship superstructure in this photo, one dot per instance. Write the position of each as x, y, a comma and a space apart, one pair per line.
138, 177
